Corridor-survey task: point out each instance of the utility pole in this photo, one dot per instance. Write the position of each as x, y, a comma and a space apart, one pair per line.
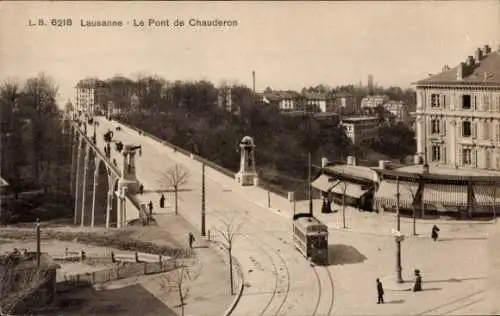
398, 239
309, 183
203, 233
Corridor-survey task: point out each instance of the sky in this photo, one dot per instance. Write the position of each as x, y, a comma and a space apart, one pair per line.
288, 44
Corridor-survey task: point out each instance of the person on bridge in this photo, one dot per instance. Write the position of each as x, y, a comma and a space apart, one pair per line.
140, 152
141, 188
162, 201
380, 292
417, 287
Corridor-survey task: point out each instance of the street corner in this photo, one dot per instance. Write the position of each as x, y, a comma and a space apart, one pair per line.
391, 283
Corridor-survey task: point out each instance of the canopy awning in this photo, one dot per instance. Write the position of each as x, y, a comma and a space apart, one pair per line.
485, 194
386, 193
351, 189
323, 183
445, 194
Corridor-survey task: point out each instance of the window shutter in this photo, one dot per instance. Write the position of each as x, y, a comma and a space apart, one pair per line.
443, 154
428, 100
443, 127
442, 101
474, 129
496, 103
497, 132
486, 102
486, 129
474, 157
460, 156
473, 102
461, 129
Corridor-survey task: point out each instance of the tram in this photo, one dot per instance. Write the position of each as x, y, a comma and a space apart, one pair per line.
310, 237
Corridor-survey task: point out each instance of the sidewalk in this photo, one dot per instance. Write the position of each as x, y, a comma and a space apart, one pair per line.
208, 284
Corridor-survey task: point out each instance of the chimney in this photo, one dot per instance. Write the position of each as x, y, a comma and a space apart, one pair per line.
446, 68
478, 54
486, 49
470, 61
460, 71
253, 80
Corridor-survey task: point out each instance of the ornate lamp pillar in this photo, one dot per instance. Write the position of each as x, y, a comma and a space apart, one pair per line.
109, 205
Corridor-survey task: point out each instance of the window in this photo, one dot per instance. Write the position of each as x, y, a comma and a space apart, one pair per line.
436, 153
435, 124
466, 129
487, 102
435, 101
466, 102
467, 156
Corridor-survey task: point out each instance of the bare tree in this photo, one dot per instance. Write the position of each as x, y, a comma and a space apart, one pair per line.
175, 281
175, 177
228, 232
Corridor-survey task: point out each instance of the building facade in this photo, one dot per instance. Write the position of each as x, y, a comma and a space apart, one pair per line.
370, 104
342, 103
397, 111
91, 95
360, 129
458, 114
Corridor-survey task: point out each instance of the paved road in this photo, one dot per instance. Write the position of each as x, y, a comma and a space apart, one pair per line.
280, 281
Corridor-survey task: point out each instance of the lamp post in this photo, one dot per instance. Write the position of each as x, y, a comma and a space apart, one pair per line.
203, 233
398, 236
309, 183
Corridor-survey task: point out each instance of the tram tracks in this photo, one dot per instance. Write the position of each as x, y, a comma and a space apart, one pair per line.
324, 304
281, 287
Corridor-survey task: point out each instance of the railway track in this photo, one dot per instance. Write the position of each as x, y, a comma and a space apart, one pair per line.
282, 279
324, 304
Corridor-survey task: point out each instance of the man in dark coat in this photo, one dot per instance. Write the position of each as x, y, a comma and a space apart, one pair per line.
380, 292
417, 287
435, 231
191, 240
150, 206
162, 201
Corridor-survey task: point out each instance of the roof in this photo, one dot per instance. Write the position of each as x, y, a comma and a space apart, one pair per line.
315, 96
349, 119
353, 171
91, 83
342, 94
484, 72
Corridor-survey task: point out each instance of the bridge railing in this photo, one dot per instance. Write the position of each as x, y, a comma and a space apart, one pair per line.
96, 149
262, 184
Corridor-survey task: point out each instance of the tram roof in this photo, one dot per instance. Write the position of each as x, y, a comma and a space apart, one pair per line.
308, 221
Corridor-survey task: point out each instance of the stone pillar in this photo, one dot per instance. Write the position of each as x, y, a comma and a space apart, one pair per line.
119, 209
96, 179
77, 182
420, 135
84, 188
109, 205
74, 162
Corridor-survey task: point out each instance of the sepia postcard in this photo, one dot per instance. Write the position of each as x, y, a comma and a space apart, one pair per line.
249, 158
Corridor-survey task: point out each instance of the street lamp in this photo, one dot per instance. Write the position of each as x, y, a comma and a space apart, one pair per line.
398, 236
203, 233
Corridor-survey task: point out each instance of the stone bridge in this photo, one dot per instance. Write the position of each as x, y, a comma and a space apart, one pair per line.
104, 195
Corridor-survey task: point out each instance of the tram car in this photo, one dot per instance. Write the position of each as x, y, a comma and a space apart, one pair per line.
310, 237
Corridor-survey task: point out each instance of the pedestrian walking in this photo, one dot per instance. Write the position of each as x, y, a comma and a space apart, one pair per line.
140, 152
417, 287
380, 292
162, 201
191, 240
435, 231
141, 188
150, 206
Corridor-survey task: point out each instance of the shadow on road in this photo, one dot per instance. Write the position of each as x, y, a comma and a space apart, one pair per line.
344, 254
395, 302
454, 280
462, 238
425, 289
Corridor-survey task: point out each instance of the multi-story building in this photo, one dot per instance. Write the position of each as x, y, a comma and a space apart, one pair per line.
91, 95
342, 103
286, 101
370, 104
315, 101
360, 129
120, 94
458, 113
397, 111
